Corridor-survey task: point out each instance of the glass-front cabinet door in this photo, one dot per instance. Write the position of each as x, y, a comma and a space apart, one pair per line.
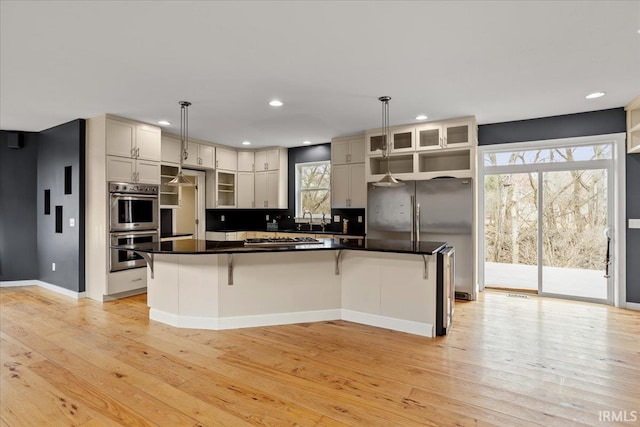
457, 134
429, 137
375, 143
402, 141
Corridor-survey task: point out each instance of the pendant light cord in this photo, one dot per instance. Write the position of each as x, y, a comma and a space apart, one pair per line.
184, 131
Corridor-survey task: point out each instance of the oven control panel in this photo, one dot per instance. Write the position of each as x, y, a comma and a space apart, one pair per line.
127, 187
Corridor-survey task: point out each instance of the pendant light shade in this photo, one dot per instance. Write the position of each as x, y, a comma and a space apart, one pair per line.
387, 180
180, 179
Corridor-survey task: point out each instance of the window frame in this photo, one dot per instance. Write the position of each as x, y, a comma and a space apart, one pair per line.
298, 189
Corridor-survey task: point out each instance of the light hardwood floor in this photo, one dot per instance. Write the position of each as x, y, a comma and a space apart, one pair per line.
508, 361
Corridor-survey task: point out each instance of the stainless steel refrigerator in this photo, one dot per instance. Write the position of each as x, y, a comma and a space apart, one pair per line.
438, 209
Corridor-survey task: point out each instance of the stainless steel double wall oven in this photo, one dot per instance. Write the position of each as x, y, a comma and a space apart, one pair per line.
133, 219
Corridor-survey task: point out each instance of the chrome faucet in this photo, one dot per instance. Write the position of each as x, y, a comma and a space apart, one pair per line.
307, 211
323, 223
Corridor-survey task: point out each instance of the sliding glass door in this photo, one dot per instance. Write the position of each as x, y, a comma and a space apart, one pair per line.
575, 221
511, 230
547, 213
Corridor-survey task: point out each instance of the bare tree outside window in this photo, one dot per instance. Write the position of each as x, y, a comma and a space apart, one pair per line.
574, 212
313, 188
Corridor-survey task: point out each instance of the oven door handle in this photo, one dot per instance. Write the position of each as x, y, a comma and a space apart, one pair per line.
134, 233
133, 196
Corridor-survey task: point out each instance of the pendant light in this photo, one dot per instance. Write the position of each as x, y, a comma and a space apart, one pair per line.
387, 180
180, 179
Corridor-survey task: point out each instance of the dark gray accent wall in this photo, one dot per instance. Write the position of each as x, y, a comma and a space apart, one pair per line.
312, 153
18, 183
574, 125
58, 148
633, 234
599, 122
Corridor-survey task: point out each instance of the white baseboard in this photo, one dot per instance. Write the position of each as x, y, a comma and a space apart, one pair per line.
236, 322
45, 285
632, 306
278, 319
409, 326
416, 328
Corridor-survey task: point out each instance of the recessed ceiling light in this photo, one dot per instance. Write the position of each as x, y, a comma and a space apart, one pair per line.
164, 123
421, 117
595, 95
275, 103
306, 142
246, 143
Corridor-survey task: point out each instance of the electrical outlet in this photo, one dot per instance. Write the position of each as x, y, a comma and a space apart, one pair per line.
267, 217
336, 218
53, 266
359, 218
222, 218
72, 222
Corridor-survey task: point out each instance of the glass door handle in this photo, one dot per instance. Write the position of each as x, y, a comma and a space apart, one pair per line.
607, 261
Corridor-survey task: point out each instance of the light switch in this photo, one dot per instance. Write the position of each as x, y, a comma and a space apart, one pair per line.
72, 222
634, 223
222, 218
359, 218
267, 217
336, 218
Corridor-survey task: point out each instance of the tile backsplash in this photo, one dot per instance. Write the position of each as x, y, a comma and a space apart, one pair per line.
257, 219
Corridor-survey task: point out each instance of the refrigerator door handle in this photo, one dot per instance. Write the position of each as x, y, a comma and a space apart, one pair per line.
413, 222
417, 222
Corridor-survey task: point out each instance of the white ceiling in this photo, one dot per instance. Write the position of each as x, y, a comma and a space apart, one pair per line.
328, 61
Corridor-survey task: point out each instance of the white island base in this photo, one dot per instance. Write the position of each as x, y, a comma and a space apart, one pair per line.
387, 290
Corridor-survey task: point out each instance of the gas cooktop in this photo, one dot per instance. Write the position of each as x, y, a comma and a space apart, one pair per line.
281, 241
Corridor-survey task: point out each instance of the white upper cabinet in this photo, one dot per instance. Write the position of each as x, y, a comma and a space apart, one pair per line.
148, 142
200, 156
246, 191
246, 161
442, 135
402, 140
206, 156
633, 126
192, 149
226, 189
121, 169
269, 190
347, 150
267, 160
429, 136
226, 159
348, 186
170, 150
423, 151
132, 140
120, 138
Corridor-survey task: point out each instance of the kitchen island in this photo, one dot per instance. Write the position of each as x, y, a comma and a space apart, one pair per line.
227, 284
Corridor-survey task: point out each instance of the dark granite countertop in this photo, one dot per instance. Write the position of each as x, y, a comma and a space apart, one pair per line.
195, 247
